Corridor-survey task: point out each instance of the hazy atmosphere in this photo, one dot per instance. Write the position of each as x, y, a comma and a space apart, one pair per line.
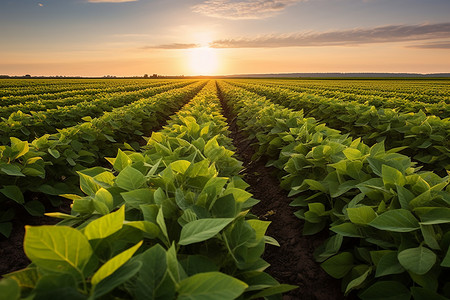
218, 37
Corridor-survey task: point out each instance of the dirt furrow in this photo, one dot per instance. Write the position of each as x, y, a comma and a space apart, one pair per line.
292, 262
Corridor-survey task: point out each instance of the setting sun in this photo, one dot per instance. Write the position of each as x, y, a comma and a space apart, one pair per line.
203, 61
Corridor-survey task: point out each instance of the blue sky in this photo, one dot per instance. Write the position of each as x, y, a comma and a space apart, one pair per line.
80, 37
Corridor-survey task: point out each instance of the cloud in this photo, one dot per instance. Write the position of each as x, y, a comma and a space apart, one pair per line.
242, 9
110, 1
358, 36
174, 46
40, 4
432, 45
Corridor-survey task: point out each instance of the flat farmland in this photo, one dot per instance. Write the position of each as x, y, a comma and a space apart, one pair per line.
225, 188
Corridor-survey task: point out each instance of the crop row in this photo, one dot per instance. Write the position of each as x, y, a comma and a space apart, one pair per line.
389, 222
43, 101
425, 138
28, 87
30, 126
168, 222
426, 91
439, 106
49, 163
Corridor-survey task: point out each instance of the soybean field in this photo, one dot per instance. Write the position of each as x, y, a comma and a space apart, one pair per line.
225, 189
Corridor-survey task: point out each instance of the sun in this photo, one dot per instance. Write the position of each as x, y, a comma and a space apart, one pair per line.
203, 61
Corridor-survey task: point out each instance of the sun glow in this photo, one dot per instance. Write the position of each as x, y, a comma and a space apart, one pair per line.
203, 61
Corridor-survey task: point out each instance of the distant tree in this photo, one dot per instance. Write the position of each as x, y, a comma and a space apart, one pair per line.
145, 75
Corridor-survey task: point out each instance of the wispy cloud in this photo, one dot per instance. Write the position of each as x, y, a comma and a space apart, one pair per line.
358, 36
432, 45
174, 46
242, 9
110, 1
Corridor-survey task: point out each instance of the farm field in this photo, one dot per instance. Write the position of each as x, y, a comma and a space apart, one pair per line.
225, 189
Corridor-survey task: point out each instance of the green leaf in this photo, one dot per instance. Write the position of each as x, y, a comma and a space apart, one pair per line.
352, 153
18, 147
149, 282
138, 197
347, 229
260, 227
5, 229
54, 153
162, 224
388, 265
329, 248
398, 220
27, 278
419, 260
180, 166
404, 197
210, 285
339, 265
9, 289
113, 264
439, 215
35, 208
57, 286
202, 230
11, 170
240, 195
57, 248
121, 161
274, 290
362, 215
386, 290
358, 280
429, 236
121, 275
13, 192
59, 215
130, 179
145, 226
392, 176
103, 201
106, 225
174, 268
88, 185
315, 185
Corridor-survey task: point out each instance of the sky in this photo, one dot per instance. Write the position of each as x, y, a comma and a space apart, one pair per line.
220, 37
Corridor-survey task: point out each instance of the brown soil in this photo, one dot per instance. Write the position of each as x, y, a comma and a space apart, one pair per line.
292, 262
12, 255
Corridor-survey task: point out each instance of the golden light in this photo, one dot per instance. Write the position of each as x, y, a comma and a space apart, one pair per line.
203, 61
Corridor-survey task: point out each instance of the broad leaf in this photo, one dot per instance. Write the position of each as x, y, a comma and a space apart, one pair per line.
388, 265
211, 285
106, 225
339, 265
9, 289
362, 215
392, 176
13, 192
113, 264
57, 248
202, 230
130, 179
398, 220
418, 260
